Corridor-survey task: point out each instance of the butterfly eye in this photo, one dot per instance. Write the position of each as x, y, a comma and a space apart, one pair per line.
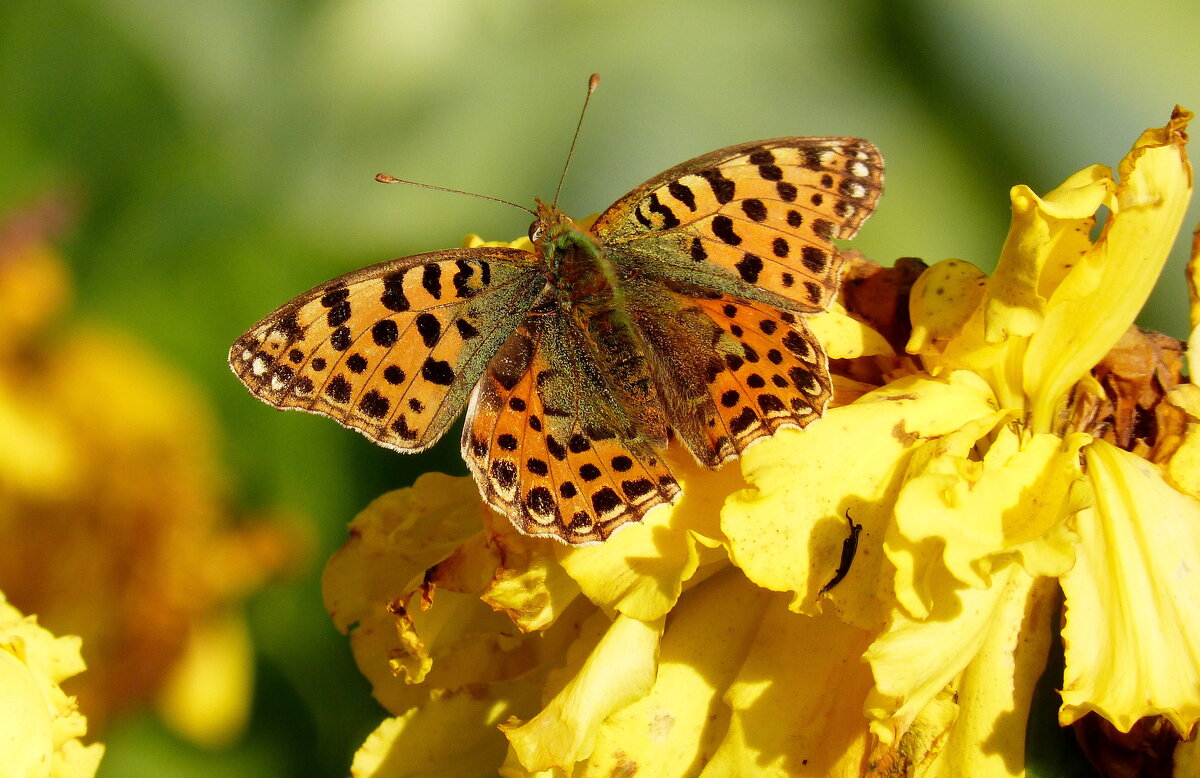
535, 230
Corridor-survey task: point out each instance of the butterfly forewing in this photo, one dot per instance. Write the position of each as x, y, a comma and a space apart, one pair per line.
756, 220
549, 446
391, 350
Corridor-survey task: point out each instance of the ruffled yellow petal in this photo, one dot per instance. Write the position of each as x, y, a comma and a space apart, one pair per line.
968, 515
1132, 631
40, 725
983, 632
1101, 294
994, 692
529, 585
786, 530
375, 590
1046, 235
671, 730
453, 734
640, 570
609, 673
797, 700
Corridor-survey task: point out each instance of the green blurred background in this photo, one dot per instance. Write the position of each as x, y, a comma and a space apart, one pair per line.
221, 156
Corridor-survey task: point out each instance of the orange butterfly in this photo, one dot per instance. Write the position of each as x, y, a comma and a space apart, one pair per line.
680, 312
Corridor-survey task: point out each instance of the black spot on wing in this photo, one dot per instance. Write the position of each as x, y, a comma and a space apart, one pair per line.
722, 227
669, 220
749, 267
683, 194
431, 280
436, 371
340, 338
393, 297
335, 296
374, 404
430, 329
723, 189
385, 333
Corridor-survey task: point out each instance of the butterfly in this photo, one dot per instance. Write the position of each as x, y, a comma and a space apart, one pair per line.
678, 314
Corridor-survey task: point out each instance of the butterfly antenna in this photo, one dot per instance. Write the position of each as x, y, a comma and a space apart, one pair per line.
593, 82
384, 178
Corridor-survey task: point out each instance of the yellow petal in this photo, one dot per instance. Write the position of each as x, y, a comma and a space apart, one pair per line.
529, 585
1132, 631
845, 337
971, 515
1045, 236
995, 691
1193, 284
786, 530
640, 570
944, 299
473, 241
394, 541
375, 589
26, 740
206, 696
1183, 467
619, 669
40, 725
451, 734
797, 701
1100, 296
671, 730
914, 661
1186, 758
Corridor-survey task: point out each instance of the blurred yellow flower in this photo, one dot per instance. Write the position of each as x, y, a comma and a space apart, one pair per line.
703, 642
112, 524
40, 725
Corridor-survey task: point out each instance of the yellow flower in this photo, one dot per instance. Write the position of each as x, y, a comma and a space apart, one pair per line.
112, 522
40, 726
706, 640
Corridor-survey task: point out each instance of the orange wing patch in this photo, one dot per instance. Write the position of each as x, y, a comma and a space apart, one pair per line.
775, 374
763, 214
392, 350
542, 459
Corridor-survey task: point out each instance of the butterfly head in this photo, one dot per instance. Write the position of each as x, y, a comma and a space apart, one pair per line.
550, 224
554, 233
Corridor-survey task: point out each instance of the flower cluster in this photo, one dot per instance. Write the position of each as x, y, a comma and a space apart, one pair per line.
1003, 439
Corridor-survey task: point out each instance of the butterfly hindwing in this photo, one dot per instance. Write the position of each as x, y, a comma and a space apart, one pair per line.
775, 374
391, 350
549, 446
753, 218
730, 371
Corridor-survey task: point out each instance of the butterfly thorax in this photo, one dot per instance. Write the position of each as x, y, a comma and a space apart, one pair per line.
587, 290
